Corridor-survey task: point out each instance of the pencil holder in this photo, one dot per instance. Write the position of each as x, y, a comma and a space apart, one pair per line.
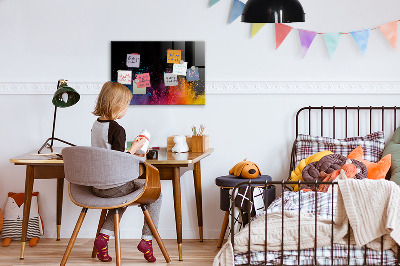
200, 143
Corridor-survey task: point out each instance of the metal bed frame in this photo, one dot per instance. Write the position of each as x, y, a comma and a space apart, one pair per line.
283, 184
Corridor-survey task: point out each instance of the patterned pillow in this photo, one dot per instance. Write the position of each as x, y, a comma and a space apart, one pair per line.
372, 144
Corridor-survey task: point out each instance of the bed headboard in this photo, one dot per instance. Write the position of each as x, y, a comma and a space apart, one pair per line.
347, 116
344, 121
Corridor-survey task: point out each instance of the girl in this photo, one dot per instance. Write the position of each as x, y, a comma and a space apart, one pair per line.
112, 104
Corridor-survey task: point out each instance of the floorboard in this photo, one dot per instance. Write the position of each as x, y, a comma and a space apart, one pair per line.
50, 252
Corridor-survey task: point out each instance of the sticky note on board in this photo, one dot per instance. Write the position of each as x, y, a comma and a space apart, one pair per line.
144, 80
192, 75
133, 60
136, 90
180, 69
170, 79
174, 56
124, 76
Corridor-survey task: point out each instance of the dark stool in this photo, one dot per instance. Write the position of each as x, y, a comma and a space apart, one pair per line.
226, 183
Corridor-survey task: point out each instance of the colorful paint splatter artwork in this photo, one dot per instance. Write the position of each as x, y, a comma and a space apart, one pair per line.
154, 64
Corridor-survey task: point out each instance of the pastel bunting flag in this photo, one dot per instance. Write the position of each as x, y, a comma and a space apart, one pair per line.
281, 31
237, 9
213, 2
306, 39
256, 27
389, 30
332, 41
361, 37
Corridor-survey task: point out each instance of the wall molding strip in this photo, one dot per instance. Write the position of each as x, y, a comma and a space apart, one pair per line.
232, 87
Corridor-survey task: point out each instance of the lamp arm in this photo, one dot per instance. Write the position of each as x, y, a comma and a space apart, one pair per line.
54, 126
54, 118
46, 143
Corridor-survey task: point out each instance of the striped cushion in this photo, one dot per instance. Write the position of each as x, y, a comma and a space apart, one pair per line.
13, 228
372, 145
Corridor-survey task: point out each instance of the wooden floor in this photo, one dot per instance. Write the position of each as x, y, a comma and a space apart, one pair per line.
50, 252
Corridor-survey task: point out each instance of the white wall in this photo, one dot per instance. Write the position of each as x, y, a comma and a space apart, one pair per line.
43, 41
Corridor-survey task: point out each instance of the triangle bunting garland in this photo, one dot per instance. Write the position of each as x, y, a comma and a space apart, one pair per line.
237, 9
306, 39
361, 37
332, 41
281, 31
389, 30
213, 2
256, 27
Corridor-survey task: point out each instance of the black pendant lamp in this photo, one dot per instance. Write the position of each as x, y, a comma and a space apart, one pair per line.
273, 11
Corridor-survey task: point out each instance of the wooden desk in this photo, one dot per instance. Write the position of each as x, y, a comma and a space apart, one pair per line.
171, 167
40, 167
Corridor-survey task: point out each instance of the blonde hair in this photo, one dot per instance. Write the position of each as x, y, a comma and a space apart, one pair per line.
112, 99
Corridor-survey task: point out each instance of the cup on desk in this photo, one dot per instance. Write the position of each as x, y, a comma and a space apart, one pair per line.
152, 155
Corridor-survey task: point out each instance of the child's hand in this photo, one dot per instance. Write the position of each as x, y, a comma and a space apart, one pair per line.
143, 155
137, 144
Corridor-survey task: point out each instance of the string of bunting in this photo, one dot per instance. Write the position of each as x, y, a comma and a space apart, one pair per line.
361, 37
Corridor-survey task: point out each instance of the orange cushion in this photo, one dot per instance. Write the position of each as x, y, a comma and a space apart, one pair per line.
375, 170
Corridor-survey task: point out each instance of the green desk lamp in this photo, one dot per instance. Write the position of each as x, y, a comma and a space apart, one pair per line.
65, 96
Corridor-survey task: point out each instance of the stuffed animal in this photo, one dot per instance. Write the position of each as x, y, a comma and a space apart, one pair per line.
13, 215
245, 169
180, 144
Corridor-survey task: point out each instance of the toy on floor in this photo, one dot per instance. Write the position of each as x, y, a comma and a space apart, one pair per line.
245, 169
13, 215
180, 144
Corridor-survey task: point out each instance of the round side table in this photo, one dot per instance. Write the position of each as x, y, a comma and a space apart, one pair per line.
226, 183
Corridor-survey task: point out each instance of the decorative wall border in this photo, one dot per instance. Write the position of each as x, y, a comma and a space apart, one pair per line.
234, 87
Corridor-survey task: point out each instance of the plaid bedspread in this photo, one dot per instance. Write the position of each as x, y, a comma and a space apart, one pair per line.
307, 202
324, 257
321, 205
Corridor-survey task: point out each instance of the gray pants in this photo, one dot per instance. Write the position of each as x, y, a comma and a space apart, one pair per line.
154, 208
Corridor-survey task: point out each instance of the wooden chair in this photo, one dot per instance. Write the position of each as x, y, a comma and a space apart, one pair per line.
85, 167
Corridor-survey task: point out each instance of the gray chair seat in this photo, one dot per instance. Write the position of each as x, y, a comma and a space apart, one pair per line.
82, 195
85, 167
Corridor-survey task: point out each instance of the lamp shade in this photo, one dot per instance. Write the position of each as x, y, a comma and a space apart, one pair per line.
65, 96
273, 11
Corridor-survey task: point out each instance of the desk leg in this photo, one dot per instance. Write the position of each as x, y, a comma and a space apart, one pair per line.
199, 204
176, 182
27, 206
60, 190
